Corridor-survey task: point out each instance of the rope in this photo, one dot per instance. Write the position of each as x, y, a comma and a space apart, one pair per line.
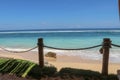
115, 45
50, 48
72, 49
18, 51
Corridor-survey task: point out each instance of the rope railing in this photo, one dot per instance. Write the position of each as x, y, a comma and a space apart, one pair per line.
72, 49
12, 51
115, 45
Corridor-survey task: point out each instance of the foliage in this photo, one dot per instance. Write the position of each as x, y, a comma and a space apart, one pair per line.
25, 68
37, 72
15, 66
87, 74
78, 72
110, 77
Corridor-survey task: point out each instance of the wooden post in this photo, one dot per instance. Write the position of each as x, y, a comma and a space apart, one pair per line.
106, 47
40, 52
118, 74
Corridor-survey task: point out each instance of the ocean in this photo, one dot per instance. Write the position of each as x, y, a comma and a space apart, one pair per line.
63, 38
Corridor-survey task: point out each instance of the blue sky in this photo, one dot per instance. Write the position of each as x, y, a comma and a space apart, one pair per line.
49, 14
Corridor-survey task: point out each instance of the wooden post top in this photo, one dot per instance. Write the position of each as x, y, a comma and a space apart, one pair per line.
40, 41
107, 42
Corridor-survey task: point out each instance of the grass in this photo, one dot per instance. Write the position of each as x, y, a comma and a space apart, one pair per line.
25, 68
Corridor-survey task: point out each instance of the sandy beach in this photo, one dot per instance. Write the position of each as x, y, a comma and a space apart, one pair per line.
76, 62
64, 61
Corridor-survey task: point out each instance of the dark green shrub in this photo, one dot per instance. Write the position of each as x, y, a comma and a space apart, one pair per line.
110, 77
79, 72
37, 72
49, 71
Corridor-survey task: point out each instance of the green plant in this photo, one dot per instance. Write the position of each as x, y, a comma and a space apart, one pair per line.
79, 72
37, 72
110, 77
15, 66
49, 71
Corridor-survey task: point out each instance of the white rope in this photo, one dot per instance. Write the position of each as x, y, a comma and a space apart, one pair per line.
11, 51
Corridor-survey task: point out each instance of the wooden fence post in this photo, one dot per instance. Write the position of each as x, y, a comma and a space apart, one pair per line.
118, 74
40, 52
106, 47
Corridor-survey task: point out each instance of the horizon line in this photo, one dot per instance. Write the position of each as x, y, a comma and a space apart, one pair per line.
58, 29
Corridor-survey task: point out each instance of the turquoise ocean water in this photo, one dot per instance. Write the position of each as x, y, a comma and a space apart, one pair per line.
63, 38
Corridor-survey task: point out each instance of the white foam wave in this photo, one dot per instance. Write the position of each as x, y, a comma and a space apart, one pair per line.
86, 54
18, 49
89, 54
60, 31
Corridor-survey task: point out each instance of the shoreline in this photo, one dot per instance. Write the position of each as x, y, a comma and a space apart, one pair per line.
64, 61
92, 54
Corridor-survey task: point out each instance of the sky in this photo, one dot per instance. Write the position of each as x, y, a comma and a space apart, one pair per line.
56, 14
